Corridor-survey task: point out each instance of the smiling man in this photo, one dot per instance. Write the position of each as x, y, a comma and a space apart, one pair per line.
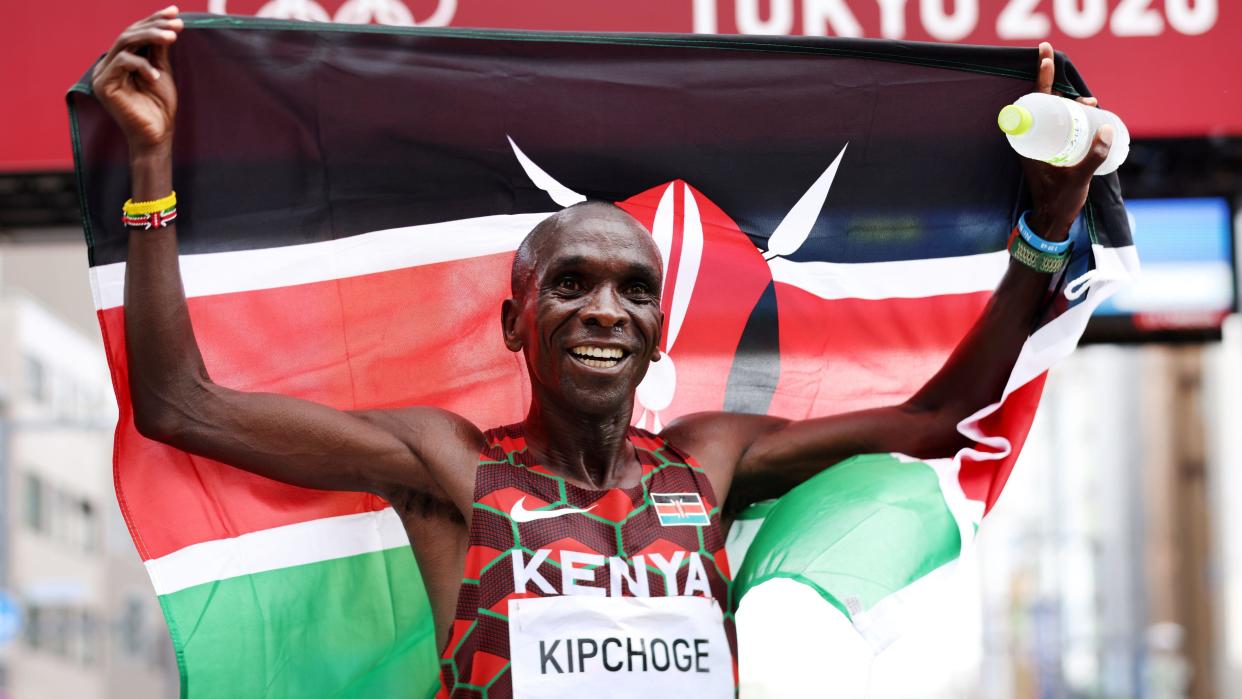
570, 552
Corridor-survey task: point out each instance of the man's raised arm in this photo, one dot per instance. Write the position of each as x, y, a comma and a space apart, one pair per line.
174, 399
768, 456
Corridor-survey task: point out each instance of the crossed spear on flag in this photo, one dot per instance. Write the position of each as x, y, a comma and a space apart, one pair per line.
658, 388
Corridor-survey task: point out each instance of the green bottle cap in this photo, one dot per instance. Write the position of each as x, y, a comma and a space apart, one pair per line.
1015, 120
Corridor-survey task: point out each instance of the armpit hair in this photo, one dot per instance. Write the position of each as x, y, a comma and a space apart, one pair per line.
411, 501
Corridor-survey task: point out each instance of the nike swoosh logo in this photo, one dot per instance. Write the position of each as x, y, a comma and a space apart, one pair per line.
520, 514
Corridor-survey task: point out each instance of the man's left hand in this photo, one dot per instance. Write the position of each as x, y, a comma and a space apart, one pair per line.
1059, 193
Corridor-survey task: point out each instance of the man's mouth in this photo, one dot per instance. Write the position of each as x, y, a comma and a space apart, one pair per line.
598, 357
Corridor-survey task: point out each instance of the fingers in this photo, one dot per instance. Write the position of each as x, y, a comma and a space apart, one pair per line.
148, 35
1047, 69
138, 36
1098, 152
133, 63
158, 55
159, 31
165, 22
1048, 74
114, 65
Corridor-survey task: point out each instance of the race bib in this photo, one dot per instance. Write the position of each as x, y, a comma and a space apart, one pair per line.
573, 646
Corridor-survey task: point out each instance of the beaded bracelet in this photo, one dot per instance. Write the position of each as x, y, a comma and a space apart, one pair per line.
147, 215
1038, 260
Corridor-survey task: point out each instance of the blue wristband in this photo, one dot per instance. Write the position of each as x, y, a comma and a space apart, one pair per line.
1037, 242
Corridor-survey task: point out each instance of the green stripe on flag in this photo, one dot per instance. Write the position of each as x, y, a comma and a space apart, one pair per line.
351, 627
856, 533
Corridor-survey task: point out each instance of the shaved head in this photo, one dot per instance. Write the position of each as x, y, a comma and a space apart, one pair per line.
587, 215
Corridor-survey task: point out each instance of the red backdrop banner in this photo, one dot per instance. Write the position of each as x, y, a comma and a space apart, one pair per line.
1167, 66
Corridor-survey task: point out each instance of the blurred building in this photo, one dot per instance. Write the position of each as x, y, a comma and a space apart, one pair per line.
89, 626
1088, 563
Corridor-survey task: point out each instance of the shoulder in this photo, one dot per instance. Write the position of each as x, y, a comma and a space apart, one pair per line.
718, 440
715, 430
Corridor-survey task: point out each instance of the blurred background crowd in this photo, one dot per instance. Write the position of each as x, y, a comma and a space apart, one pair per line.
1112, 565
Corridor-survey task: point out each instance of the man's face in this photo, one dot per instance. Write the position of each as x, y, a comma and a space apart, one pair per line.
590, 321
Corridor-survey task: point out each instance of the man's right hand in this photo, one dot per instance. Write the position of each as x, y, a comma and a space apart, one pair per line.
134, 82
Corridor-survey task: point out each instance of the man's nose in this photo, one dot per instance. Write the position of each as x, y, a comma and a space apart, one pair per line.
604, 308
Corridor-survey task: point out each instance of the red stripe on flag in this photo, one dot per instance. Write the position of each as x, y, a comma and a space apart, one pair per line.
853, 354
428, 335
983, 480
732, 276
686, 509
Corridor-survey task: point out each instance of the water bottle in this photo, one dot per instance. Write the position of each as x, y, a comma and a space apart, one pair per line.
1059, 131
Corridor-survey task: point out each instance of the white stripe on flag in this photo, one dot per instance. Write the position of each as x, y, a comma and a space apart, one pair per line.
281, 547
398, 248
379, 251
938, 276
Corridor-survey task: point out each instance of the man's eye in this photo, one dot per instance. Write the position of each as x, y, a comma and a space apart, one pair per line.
569, 284
638, 289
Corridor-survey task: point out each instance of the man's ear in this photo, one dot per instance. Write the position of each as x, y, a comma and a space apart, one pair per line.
655, 355
510, 312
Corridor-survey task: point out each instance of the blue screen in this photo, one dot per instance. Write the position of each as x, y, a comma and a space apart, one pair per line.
1185, 247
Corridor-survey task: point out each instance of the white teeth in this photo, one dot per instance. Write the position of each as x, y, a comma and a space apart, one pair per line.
599, 363
597, 357
601, 352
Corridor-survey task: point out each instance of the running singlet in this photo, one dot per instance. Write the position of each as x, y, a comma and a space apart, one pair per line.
575, 592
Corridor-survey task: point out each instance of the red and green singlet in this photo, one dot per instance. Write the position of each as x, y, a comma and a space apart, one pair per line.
567, 590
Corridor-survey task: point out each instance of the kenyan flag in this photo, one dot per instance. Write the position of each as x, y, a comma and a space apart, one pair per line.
832, 215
